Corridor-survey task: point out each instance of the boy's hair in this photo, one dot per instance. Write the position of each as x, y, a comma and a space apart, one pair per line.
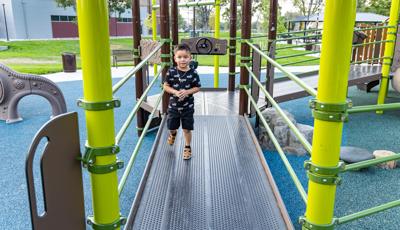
182, 46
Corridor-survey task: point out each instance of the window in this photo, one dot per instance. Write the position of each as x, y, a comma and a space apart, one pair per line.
124, 19
55, 18
63, 18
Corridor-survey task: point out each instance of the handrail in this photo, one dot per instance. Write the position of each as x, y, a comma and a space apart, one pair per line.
297, 55
296, 132
368, 108
260, 36
367, 163
299, 31
301, 61
374, 28
295, 46
313, 30
119, 84
302, 37
370, 43
128, 169
367, 212
303, 85
289, 168
128, 121
190, 4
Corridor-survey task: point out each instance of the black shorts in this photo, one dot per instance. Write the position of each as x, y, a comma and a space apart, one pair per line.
175, 118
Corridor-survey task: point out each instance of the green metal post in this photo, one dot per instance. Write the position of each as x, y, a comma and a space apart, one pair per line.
332, 89
217, 36
154, 28
389, 50
97, 86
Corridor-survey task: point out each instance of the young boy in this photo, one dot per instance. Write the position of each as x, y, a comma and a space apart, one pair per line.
181, 82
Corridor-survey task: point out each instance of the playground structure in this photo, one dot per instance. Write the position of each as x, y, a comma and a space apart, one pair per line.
14, 86
243, 170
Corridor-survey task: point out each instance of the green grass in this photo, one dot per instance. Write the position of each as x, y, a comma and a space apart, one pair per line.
41, 57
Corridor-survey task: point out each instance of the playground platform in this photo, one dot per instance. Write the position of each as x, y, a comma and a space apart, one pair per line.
226, 185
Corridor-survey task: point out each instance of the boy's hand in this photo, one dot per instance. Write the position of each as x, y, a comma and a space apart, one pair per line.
177, 93
183, 93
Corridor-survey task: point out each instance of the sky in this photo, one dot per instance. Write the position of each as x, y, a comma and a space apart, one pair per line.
286, 6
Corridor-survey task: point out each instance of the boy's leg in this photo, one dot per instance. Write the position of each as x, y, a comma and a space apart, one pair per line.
173, 123
171, 137
187, 126
187, 151
188, 137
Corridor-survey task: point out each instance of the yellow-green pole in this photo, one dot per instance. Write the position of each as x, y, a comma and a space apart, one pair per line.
389, 50
332, 87
154, 27
217, 35
97, 86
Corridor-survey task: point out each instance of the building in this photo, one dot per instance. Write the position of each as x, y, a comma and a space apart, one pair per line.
317, 20
43, 19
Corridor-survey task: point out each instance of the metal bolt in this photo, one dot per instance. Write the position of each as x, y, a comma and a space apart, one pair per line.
330, 116
324, 180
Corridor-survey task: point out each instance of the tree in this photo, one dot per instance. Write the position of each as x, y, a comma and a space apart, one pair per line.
202, 15
211, 21
257, 7
114, 6
307, 7
379, 7
182, 24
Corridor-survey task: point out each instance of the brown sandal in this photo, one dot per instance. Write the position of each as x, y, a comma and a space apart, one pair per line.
187, 153
171, 139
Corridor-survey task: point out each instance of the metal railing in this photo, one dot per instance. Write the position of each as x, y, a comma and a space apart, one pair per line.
128, 121
293, 77
289, 168
134, 111
304, 142
119, 84
132, 159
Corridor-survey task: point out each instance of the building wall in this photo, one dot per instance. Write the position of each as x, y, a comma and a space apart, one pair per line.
9, 19
31, 19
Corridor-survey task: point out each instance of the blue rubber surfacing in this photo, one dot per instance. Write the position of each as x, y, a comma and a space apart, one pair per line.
359, 190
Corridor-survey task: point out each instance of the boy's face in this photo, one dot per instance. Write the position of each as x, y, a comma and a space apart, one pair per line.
182, 58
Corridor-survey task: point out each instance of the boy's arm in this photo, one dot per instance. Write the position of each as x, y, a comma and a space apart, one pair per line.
169, 89
193, 90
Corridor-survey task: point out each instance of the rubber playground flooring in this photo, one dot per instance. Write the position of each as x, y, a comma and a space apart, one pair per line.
359, 190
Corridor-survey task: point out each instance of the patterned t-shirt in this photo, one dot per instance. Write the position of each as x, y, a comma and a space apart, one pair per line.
178, 80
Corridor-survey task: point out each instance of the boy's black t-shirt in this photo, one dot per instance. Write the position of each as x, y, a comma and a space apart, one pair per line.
178, 80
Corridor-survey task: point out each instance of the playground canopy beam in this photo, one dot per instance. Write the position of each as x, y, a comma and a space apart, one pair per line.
166, 48
141, 119
232, 46
245, 56
190, 4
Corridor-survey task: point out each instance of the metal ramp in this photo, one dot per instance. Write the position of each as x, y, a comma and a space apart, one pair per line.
226, 185
286, 90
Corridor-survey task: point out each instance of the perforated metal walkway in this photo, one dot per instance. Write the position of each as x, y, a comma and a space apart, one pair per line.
226, 184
